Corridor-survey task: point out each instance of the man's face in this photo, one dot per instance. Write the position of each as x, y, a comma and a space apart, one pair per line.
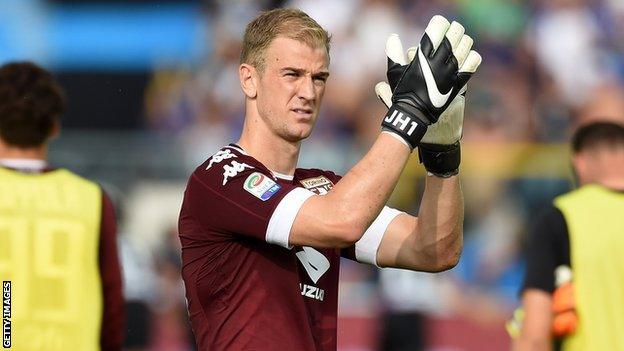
291, 87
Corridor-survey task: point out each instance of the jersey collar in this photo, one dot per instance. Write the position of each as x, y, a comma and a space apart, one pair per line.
24, 164
275, 174
283, 176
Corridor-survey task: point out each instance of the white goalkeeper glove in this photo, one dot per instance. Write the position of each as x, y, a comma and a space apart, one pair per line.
439, 148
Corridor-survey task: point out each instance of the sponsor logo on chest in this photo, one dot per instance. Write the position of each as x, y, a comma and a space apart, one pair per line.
312, 292
319, 185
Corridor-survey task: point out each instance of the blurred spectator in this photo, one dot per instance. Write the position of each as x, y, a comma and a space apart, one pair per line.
139, 293
408, 298
172, 330
566, 41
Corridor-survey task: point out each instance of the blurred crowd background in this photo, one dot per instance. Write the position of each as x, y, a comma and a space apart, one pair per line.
153, 91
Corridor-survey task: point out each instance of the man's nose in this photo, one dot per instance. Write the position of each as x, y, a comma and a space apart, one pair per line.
306, 89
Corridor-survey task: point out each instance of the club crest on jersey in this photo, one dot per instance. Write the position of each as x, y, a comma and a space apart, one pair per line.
319, 185
260, 186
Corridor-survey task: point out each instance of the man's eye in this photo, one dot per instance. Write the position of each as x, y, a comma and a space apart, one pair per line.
321, 79
291, 74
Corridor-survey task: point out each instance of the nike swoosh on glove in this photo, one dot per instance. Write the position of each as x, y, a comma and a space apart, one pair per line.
429, 81
439, 147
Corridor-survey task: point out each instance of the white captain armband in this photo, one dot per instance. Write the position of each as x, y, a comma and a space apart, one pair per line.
366, 248
278, 230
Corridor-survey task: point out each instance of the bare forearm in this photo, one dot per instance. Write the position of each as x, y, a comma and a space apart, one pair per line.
526, 344
440, 220
535, 332
341, 217
365, 189
432, 241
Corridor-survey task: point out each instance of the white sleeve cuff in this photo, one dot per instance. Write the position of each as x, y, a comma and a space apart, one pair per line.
366, 248
278, 230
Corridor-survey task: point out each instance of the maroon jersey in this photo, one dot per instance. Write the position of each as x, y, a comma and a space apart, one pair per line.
247, 289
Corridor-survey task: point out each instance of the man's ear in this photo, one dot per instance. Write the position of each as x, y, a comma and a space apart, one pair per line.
248, 76
56, 129
579, 165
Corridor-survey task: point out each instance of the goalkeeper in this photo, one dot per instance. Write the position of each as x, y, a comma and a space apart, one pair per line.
262, 238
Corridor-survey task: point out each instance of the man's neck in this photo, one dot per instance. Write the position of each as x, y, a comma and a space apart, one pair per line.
615, 183
31, 153
275, 153
610, 180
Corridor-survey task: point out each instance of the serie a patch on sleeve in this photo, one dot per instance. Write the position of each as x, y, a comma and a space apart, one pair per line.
260, 186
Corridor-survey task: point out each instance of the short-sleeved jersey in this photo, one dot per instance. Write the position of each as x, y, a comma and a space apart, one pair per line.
547, 247
247, 289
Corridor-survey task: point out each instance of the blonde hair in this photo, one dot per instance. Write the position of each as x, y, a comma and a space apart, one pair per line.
290, 23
